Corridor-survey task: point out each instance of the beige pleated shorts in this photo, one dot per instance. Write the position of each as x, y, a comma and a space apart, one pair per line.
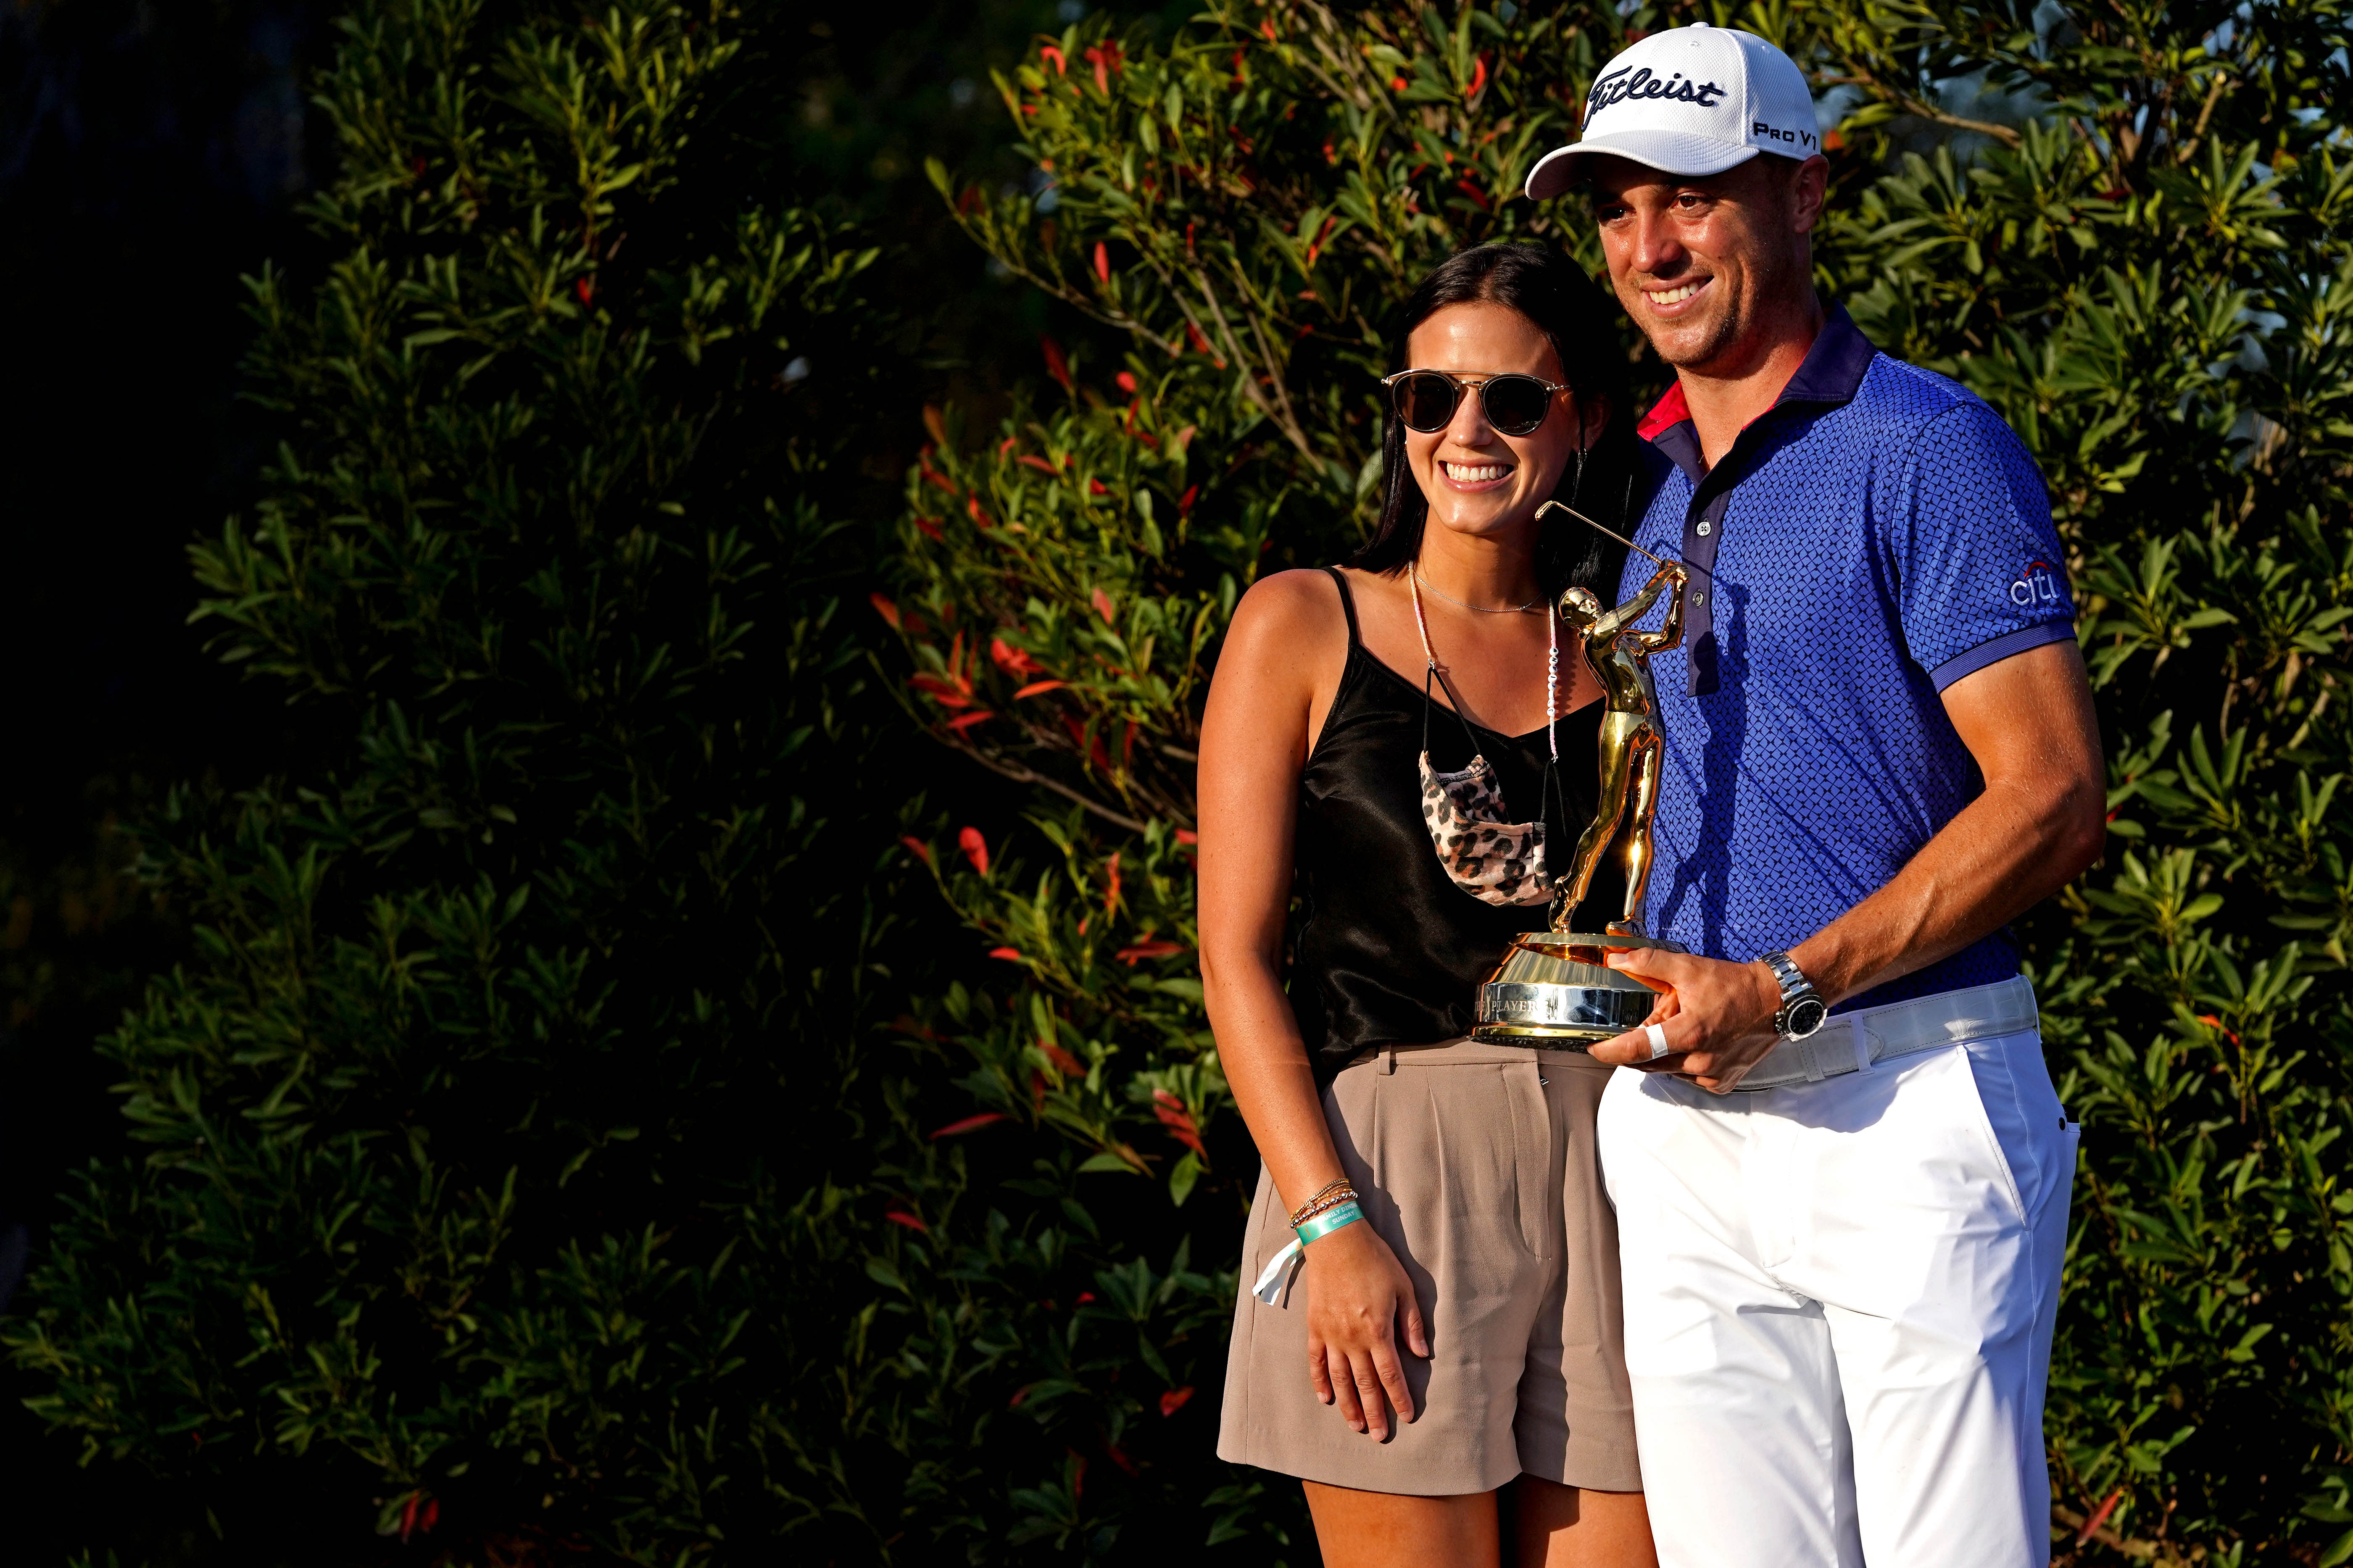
1477, 1165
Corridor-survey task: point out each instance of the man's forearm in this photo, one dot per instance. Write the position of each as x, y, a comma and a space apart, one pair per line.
2007, 851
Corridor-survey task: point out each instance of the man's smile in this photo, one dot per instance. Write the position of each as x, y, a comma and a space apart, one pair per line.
1663, 302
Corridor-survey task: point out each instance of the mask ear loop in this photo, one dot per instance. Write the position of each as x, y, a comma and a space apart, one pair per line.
1430, 669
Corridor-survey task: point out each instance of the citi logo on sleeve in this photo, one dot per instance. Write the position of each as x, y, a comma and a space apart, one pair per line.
2038, 584
1624, 83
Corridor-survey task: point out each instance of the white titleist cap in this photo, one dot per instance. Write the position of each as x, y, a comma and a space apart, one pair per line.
1690, 100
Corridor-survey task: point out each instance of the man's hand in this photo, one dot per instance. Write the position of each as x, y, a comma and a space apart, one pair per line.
1717, 1018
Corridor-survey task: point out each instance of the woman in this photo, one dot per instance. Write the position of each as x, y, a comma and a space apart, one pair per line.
1462, 1336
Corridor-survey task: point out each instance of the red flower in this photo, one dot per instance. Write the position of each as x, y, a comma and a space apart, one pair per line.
1053, 52
900, 1217
1011, 955
886, 610
975, 848
2099, 1517
1174, 1400
1184, 503
966, 722
969, 1125
1011, 660
1036, 687
1102, 254
1315, 247
418, 1515
1179, 1120
922, 850
930, 525
1397, 84
1057, 366
1149, 948
1101, 602
979, 518
1111, 894
1030, 460
941, 691
934, 476
586, 288
1478, 77
1125, 382
1064, 1062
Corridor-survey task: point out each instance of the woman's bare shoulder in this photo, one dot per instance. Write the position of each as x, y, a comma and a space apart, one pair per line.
1287, 613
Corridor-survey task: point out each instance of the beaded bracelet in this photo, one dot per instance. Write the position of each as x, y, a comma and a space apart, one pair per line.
1347, 1196
1331, 1194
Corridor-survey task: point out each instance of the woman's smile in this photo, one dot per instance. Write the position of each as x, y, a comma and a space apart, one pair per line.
1471, 478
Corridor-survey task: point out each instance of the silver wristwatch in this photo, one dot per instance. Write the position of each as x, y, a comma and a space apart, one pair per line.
1802, 1008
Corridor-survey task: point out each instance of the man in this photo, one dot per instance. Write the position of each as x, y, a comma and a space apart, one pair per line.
1842, 1236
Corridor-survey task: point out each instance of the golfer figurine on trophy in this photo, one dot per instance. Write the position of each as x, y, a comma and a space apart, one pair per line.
1553, 985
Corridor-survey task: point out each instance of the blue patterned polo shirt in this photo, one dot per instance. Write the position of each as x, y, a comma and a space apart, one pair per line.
1875, 536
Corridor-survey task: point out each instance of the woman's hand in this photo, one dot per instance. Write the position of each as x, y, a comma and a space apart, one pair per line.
1356, 1291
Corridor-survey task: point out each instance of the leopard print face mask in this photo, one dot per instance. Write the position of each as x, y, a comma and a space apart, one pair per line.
1494, 861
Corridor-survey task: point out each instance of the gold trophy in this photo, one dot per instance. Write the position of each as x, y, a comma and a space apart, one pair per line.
1553, 986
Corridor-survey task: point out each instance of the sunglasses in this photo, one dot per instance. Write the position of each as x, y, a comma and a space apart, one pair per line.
1426, 400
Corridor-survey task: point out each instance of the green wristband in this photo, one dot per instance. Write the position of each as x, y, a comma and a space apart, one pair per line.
1330, 1220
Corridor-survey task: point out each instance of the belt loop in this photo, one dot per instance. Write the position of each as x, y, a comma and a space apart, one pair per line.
1814, 1073
1388, 1059
1864, 1055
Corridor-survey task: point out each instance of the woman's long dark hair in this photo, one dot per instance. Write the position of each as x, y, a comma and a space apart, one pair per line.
1552, 292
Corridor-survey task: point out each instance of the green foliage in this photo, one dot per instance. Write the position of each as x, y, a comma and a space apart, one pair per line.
482, 1199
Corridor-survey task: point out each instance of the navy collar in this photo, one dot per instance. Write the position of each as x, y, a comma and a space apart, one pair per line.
1830, 376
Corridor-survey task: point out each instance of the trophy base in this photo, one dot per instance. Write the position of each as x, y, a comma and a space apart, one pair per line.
1553, 989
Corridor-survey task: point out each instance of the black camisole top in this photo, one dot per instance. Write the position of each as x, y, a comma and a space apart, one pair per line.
1384, 948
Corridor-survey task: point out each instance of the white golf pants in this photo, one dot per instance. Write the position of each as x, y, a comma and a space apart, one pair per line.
1839, 1302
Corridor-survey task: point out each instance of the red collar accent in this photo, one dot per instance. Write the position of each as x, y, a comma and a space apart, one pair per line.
1670, 411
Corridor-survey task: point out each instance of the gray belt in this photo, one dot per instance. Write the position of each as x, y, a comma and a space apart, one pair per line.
1852, 1041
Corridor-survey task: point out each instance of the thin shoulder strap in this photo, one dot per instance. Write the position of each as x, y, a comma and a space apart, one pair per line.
1348, 604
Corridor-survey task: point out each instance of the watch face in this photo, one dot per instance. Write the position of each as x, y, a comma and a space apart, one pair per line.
1806, 1015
